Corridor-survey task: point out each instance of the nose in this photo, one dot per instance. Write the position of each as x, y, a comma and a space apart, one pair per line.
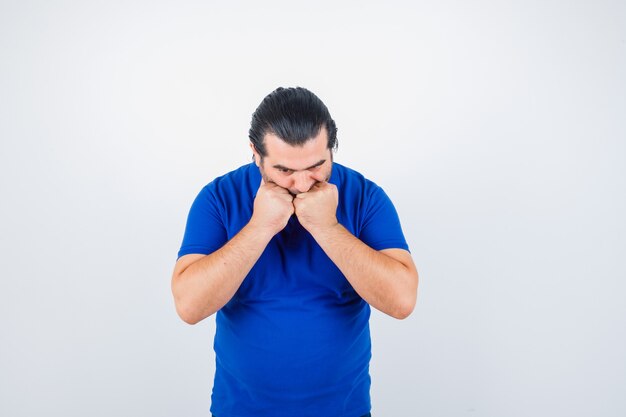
302, 182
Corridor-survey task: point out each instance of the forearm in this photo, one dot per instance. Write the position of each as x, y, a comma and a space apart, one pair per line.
208, 284
385, 283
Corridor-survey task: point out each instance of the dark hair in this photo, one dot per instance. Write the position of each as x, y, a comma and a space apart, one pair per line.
293, 114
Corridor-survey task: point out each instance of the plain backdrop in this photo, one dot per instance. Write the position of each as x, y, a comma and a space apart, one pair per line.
498, 128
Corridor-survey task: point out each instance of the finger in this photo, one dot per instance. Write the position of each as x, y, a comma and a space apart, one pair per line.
278, 189
326, 186
271, 185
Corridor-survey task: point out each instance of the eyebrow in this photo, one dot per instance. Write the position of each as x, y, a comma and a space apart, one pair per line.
278, 166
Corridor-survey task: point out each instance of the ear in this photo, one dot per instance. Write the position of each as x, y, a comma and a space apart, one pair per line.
255, 154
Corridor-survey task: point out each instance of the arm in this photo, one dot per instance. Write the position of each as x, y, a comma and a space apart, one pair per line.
386, 279
202, 284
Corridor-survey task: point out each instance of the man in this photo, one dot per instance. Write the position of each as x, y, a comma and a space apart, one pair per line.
291, 251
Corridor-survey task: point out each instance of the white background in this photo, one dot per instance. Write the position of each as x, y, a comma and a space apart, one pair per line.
497, 128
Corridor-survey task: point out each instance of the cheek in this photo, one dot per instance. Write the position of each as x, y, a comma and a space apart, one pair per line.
322, 175
282, 181
276, 178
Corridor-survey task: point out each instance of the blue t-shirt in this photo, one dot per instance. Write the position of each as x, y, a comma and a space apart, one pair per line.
294, 340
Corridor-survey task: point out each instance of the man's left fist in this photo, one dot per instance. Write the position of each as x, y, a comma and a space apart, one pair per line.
317, 208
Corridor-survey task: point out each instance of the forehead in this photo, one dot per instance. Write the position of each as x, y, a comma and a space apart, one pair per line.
299, 156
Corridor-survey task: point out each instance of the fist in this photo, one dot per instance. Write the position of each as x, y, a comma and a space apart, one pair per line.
273, 205
317, 208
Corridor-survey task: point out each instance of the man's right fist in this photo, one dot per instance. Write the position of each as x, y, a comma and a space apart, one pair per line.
273, 206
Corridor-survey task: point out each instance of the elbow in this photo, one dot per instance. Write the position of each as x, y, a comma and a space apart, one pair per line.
403, 310
406, 304
187, 316
191, 315
188, 311
184, 311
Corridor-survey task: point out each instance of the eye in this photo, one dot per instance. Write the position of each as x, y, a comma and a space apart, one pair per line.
284, 170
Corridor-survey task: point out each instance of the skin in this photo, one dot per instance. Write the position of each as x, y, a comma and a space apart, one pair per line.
295, 180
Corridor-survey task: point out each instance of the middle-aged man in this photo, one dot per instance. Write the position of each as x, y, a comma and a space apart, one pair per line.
291, 251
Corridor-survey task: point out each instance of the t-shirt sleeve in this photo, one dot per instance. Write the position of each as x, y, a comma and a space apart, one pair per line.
381, 225
205, 232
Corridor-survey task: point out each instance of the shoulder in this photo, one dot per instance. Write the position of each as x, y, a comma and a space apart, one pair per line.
367, 211
232, 188
233, 181
233, 178
353, 183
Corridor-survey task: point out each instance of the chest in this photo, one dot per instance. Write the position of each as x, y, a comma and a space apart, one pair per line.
292, 266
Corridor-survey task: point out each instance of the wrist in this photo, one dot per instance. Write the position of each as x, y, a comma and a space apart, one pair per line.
323, 229
260, 230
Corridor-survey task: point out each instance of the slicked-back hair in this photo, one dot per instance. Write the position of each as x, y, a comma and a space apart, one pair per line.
295, 115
